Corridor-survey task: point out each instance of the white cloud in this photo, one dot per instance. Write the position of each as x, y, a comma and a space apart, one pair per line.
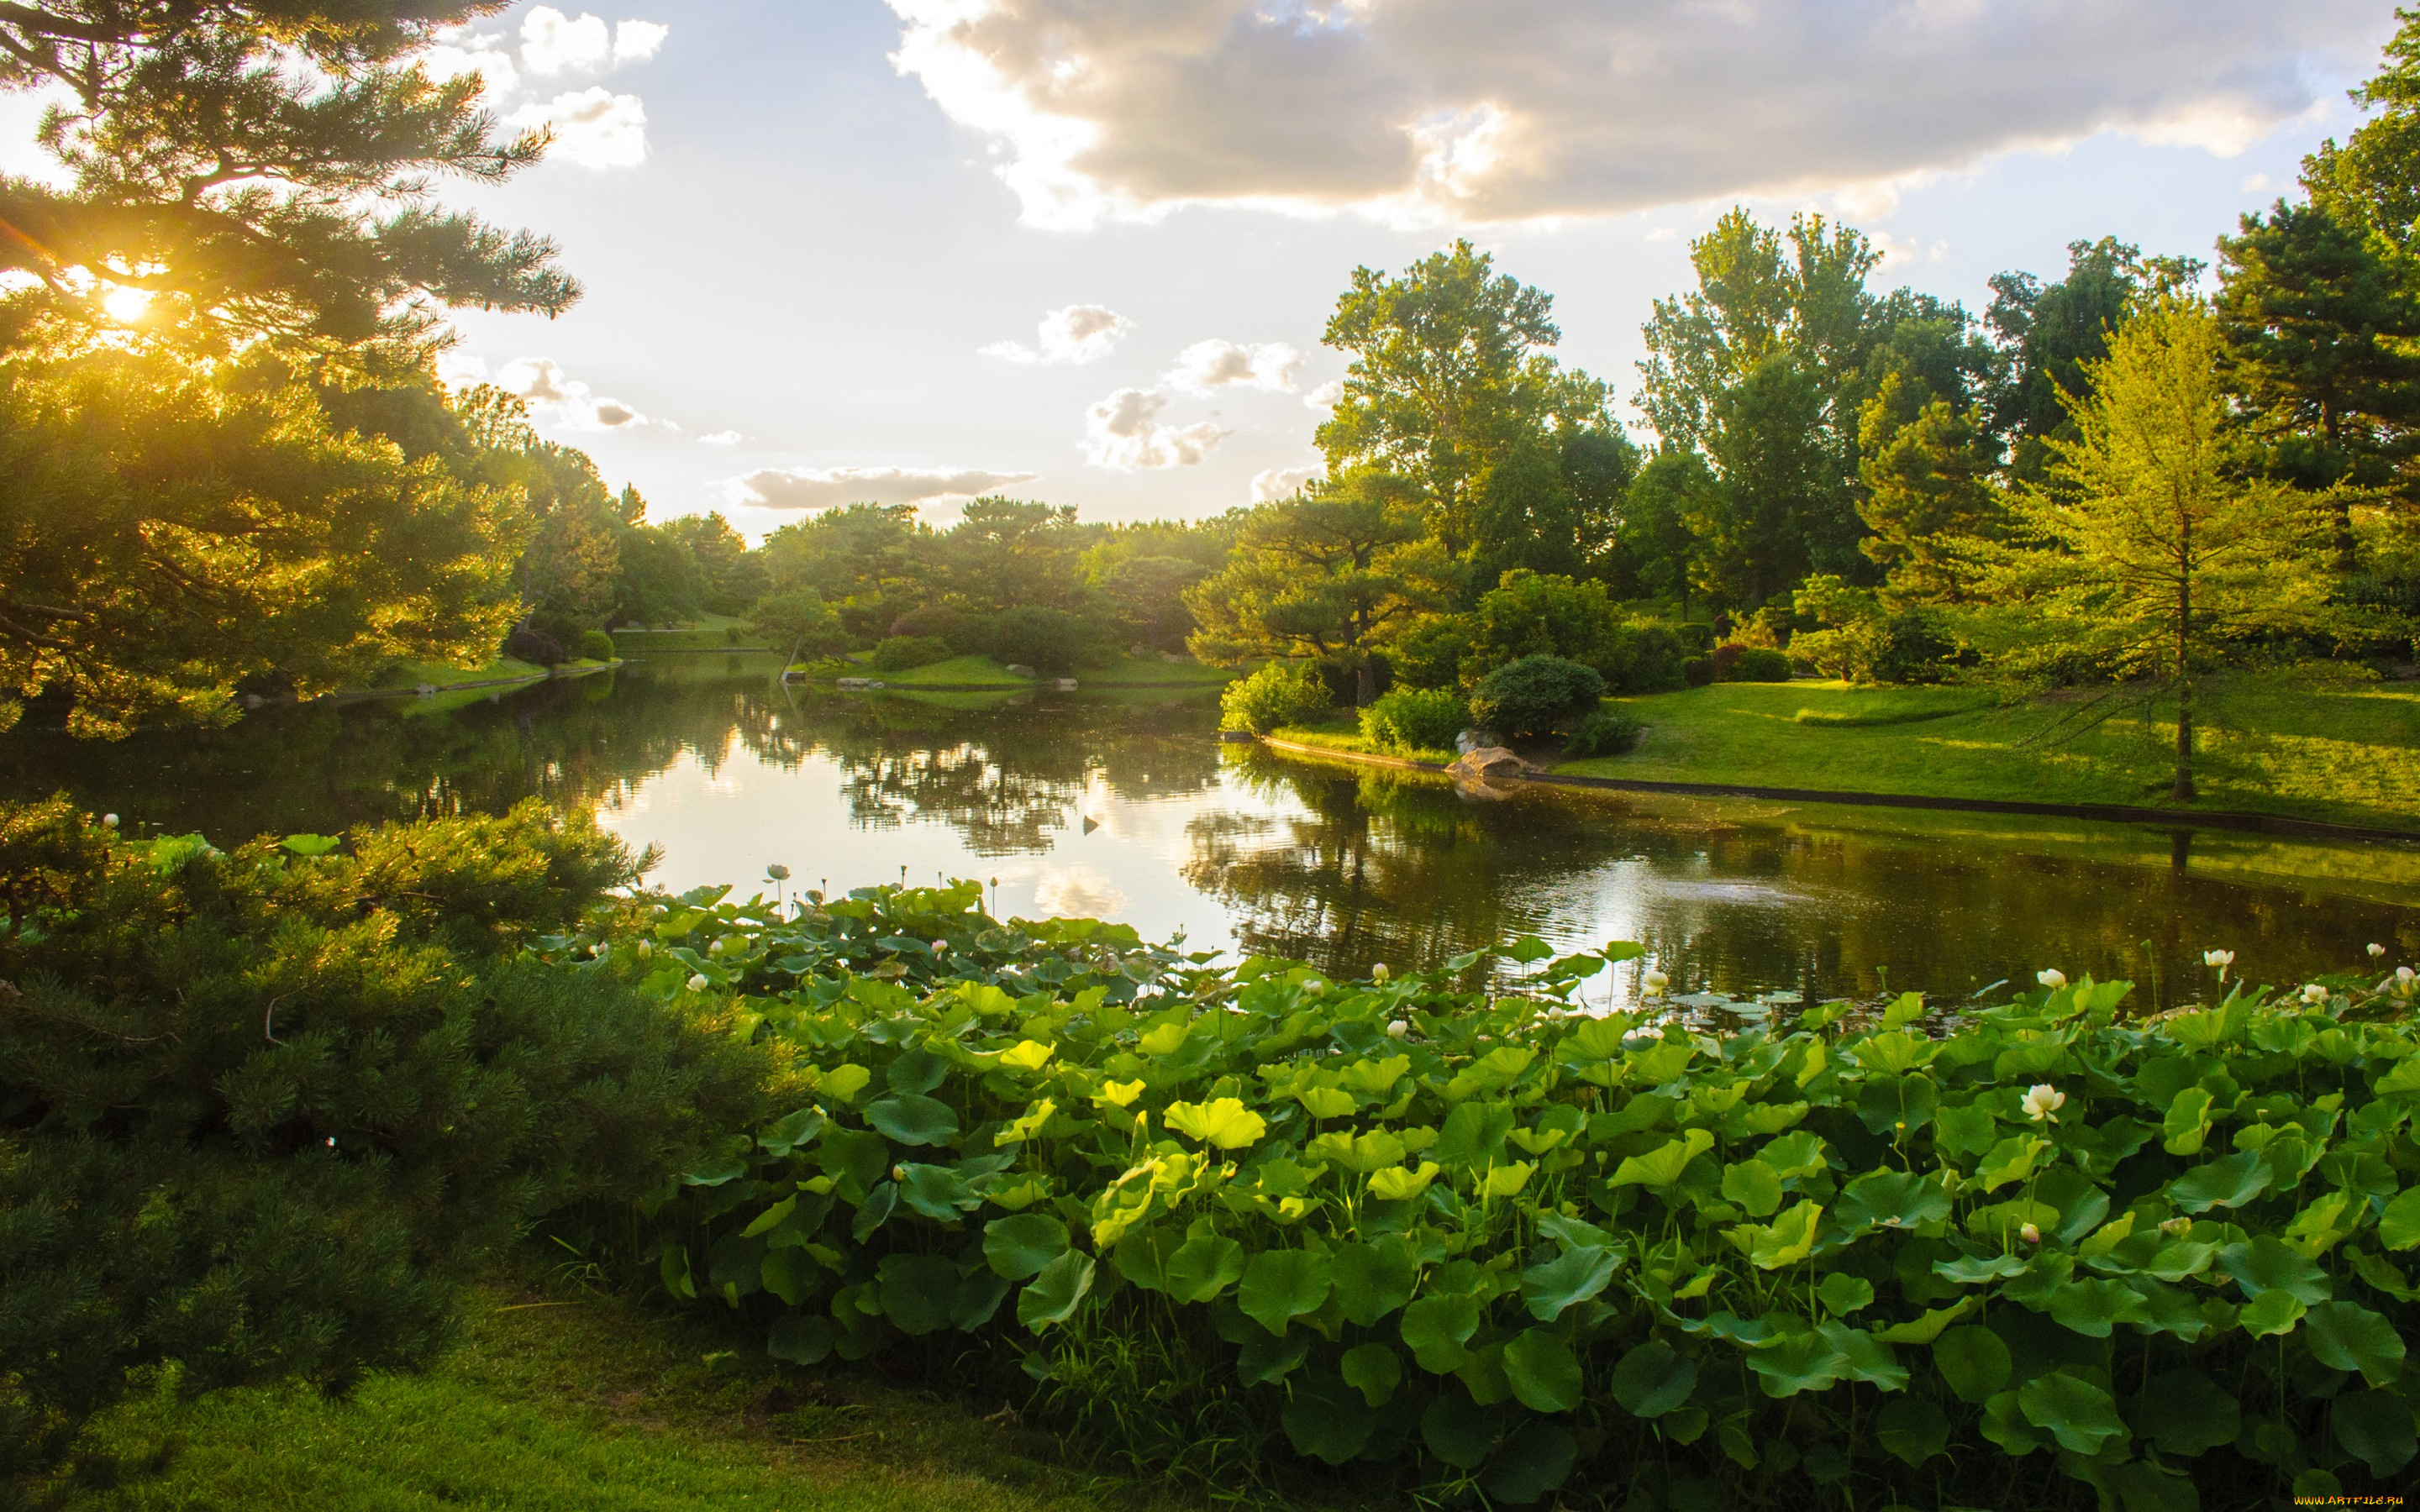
1899, 251
1539, 108
459, 50
1280, 483
1075, 333
720, 438
827, 487
636, 41
555, 396
1212, 365
1327, 396
593, 126
2258, 183
1124, 432
553, 42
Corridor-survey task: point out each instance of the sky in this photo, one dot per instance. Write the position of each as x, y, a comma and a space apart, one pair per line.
1082, 251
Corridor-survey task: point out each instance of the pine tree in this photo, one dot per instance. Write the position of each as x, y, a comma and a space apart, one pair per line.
2146, 550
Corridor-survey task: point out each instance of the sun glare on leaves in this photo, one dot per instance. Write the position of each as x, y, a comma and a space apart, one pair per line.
127, 306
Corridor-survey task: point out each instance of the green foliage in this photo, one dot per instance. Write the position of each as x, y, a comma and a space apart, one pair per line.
1469, 1233
262, 1110
1280, 693
1605, 732
1414, 719
596, 645
1047, 640
1751, 664
798, 620
1535, 696
899, 653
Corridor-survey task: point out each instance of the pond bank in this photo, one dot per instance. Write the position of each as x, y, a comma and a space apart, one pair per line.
2108, 812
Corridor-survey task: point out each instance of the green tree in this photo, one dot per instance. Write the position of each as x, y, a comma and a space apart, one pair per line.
2323, 327
1656, 549
733, 577
172, 530
2049, 333
262, 170
2371, 182
1529, 614
1927, 467
871, 563
1454, 387
2147, 549
1325, 574
1007, 553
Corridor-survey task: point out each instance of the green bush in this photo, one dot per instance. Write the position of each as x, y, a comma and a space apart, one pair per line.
596, 645
797, 623
1534, 695
1697, 671
1752, 664
1605, 732
1049, 640
899, 653
1414, 720
1280, 693
261, 1110
2044, 1255
1644, 657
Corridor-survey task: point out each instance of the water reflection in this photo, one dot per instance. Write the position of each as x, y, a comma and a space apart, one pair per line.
1127, 805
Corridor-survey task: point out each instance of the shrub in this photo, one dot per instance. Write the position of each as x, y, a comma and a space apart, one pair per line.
797, 623
1533, 695
1049, 640
901, 652
1280, 693
530, 644
1605, 732
1429, 652
1752, 664
1698, 671
1644, 657
1414, 719
1453, 1236
596, 645
261, 1110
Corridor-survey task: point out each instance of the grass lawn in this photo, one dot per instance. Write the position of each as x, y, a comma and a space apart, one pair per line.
711, 632
984, 672
408, 674
591, 1406
2268, 743
1136, 671
1343, 732
974, 671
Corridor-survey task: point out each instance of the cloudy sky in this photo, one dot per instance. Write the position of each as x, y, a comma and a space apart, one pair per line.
1082, 250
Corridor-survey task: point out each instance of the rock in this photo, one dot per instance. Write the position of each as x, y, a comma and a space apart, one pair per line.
1019, 670
1237, 737
1471, 740
855, 684
1064, 685
1488, 762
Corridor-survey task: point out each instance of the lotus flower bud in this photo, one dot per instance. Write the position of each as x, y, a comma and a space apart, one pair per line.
2376, 950
716, 948
697, 984
2030, 1234
1397, 1028
1653, 982
2313, 992
109, 821
646, 949
1379, 973
2053, 979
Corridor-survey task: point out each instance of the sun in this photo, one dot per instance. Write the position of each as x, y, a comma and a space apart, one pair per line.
127, 305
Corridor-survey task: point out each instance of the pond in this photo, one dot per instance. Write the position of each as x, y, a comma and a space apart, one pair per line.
1124, 805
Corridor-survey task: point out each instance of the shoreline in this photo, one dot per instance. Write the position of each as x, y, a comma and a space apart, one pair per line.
2170, 819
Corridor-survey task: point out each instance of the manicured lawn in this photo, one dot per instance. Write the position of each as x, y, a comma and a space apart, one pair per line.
413, 673
2268, 743
1131, 672
713, 632
590, 1407
976, 671
986, 672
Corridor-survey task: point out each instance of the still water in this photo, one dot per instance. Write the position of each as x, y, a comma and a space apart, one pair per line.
1125, 806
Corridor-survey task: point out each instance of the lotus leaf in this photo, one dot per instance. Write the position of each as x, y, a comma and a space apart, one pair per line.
2184, 1412
1474, 1135
1435, 1329
1572, 1276
1328, 1421
1279, 1286
1891, 1200
1536, 1459
916, 1291
1653, 1380
1456, 1432
2263, 1264
1019, 1246
1912, 1428
1544, 1373
2229, 1182
1842, 1293
1374, 1279
1397, 1184
1973, 1360
2375, 1426
1755, 1187
1223, 1122
2079, 1415
1373, 1370
2345, 1335
1203, 1266
1056, 1291
913, 1119
1663, 1166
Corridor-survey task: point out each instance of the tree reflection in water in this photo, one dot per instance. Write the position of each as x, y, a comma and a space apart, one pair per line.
1342, 866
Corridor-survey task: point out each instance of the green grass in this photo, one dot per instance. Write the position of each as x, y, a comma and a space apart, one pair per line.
408, 674
711, 632
1343, 732
562, 1404
2348, 752
1145, 671
972, 671
986, 672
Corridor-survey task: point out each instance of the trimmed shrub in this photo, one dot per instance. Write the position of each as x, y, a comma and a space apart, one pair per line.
1605, 732
1644, 657
901, 652
1697, 671
1280, 693
2046, 1248
1534, 695
1752, 664
262, 1110
1414, 719
530, 644
1049, 640
596, 645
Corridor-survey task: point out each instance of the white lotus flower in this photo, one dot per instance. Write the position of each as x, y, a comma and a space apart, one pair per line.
109, 821
2313, 992
2404, 978
716, 948
2376, 950
1314, 986
2221, 959
2030, 1234
2042, 1100
646, 949
1379, 973
1397, 1028
2053, 978
1653, 982
697, 983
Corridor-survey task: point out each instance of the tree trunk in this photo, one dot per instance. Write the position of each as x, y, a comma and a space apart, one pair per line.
2183, 792
1365, 685
2184, 788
